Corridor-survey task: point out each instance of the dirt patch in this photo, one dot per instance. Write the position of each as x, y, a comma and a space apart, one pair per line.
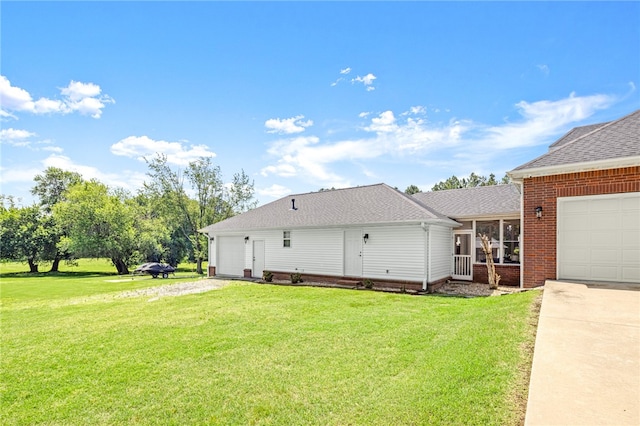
179, 289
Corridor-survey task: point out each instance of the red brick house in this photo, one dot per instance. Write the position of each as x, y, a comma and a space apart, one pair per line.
581, 206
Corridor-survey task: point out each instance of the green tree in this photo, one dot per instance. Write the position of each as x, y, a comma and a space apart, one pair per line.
26, 235
50, 188
213, 202
472, 181
412, 189
98, 223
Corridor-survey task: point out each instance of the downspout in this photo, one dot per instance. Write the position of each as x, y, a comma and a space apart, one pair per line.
521, 241
425, 281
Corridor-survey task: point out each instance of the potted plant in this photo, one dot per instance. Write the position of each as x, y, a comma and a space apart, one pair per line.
515, 256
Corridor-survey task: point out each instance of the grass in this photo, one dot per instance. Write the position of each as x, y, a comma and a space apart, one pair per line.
256, 354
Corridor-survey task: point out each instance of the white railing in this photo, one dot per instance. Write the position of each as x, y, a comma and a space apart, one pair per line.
461, 266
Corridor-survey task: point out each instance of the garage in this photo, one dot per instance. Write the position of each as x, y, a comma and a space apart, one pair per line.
599, 238
230, 256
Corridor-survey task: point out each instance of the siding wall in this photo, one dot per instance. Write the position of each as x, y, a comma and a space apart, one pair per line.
539, 235
391, 252
394, 252
440, 265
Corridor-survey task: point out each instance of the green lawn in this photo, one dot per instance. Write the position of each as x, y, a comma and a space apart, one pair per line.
72, 353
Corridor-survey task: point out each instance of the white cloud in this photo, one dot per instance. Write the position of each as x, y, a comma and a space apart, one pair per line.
126, 179
85, 98
287, 125
15, 136
364, 114
274, 191
178, 153
367, 80
18, 174
544, 69
412, 139
347, 70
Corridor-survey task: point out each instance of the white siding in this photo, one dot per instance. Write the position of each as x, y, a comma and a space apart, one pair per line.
394, 252
441, 252
391, 252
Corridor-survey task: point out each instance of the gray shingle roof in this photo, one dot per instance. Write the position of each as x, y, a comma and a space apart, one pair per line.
613, 140
351, 206
474, 202
575, 133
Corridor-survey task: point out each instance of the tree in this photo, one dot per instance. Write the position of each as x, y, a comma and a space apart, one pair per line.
213, 202
50, 188
412, 189
472, 181
98, 223
494, 278
26, 235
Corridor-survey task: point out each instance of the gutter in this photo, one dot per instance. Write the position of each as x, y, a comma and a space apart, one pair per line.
425, 281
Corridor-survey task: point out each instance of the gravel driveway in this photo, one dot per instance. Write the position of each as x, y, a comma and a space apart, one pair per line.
179, 289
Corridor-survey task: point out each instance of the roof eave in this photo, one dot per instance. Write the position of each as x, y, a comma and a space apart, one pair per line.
435, 221
610, 163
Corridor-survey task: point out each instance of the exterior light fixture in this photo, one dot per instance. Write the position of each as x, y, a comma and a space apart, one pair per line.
365, 237
539, 212
246, 239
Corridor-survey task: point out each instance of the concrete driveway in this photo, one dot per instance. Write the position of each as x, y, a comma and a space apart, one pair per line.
586, 362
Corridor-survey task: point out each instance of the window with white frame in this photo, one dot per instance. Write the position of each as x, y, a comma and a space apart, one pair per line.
511, 240
504, 235
286, 238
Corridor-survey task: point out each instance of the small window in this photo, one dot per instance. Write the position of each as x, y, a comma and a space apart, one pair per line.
511, 235
286, 239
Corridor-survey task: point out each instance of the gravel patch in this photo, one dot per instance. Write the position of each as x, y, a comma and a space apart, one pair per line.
173, 290
458, 288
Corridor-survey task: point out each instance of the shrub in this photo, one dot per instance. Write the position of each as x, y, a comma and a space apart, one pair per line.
367, 283
267, 276
296, 278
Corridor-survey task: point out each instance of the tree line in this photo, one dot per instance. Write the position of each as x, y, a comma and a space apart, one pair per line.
456, 183
75, 218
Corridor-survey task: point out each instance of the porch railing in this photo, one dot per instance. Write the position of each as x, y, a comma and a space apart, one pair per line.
462, 265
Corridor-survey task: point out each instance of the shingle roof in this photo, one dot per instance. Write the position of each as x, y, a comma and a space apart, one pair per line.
474, 202
575, 133
614, 140
361, 205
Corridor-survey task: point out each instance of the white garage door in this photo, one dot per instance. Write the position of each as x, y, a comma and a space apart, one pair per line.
230, 256
599, 238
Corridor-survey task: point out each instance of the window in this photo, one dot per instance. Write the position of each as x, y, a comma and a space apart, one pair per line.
511, 240
286, 239
492, 230
505, 240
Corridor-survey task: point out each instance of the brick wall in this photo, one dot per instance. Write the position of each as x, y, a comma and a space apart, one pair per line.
509, 274
540, 234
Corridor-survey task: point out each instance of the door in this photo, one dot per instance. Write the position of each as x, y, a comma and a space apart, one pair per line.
230, 256
353, 253
258, 258
599, 238
462, 260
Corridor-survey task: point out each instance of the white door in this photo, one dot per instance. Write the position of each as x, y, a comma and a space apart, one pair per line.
462, 264
599, 238
353, 253
230, 256
258, 258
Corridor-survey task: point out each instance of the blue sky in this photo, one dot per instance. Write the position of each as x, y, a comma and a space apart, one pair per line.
306, 95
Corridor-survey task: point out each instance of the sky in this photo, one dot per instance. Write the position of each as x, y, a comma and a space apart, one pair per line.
305, 95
